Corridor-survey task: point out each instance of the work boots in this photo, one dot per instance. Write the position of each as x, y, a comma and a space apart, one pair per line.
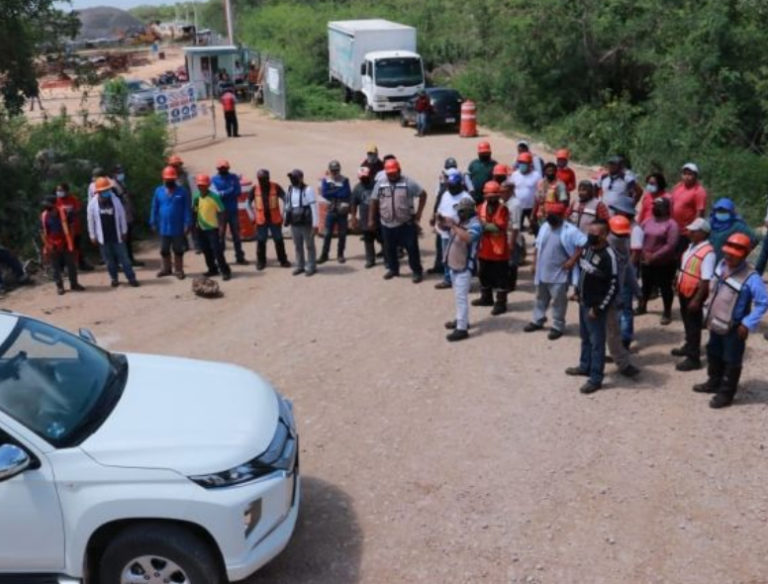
261, 255
165, 270
715, 371
178, 266
724, 397
500, 306
281, 256
486, 298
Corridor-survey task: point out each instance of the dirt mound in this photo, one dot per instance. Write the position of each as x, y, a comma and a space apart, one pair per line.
105, 22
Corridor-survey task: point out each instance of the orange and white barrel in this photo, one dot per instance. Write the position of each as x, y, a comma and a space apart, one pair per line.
468, 125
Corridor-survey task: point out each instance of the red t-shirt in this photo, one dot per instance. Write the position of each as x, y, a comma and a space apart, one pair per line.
568, 177
688, 203
228, 101
72, 205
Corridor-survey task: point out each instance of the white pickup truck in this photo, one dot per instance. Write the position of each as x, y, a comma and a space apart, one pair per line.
126, 468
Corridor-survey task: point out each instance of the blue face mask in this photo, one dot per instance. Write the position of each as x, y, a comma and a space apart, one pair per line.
722, 216
524, 167
120, 177
106, 194
653, 189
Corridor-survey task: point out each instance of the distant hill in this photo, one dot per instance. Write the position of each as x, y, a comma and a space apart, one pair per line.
106, 22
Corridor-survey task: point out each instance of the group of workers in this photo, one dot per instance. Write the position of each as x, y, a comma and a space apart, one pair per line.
611, 247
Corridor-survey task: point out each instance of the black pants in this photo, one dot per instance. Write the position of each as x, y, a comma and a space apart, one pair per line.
175, 242
61, 258
369, 237
693, 323
663, 277
494, 275
532, 221
210, 244
438, 266
331, 220
406, 236
230, 121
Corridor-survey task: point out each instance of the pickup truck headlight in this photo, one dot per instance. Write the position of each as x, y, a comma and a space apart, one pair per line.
280, 455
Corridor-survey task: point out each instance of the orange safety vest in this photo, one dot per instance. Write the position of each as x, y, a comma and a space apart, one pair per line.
690, 274
273, 201
64, 226
494, 246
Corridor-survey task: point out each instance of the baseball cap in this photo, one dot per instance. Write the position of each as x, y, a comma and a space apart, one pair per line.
334, 166
371, 149
453, 176
692, 167
523, 143
624, 205
699, 224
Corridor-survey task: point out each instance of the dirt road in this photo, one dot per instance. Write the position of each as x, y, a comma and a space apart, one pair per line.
425, 461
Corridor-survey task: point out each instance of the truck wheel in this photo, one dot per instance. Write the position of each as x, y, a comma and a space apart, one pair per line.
347, 94
403, 121
158, 554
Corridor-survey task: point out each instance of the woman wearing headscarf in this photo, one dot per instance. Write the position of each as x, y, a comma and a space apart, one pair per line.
725, 222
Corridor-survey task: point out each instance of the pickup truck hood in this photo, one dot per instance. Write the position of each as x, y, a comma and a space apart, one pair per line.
193, 417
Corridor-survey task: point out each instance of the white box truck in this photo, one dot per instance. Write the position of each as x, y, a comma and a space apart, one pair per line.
376, 61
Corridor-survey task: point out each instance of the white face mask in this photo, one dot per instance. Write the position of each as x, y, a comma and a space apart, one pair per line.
61, 194
653, 189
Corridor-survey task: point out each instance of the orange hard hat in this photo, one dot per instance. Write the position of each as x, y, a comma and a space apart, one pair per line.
491, 189
391, 166
169, 173
555, 208
620, 225
102, 184
203, 180
500, 169
563, 153
175, 159
222, 164
525, 157
738, 245
484, 147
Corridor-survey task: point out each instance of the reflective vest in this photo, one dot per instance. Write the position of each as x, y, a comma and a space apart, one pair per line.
582, 214
494, 246
273, 202
723, 298
394, 204
690, 274
460, 255
57, 239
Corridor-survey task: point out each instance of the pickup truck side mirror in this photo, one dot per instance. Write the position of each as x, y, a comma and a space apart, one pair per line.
13, 461
87, 335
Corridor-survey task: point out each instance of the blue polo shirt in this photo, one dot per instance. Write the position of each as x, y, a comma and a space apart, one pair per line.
227, 186
752, 303
171, 211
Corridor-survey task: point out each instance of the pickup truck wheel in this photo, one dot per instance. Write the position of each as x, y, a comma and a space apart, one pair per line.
403, 121
158, 554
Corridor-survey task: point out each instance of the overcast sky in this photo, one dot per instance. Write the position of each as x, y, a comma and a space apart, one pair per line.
124, 4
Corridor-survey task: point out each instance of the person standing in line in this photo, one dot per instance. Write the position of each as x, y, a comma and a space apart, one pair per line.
442, 187
689, 200
526, 180
655, 188
58, 245
549, 190
514, 236
725, 221
228, 101
393, 199
372, 161
74, 209
737, 303
176, 162
361, 204
446, 209
171, 218
558, 248
620, 229
537, 164
625, 208
460, 253
493, 251
209, 212
120, 189
696, 270
480, 170
227, 186
598, 285
335, 189
565, 173
617, 183
302, 216
268, 219
108, 227
587, 207
659, 258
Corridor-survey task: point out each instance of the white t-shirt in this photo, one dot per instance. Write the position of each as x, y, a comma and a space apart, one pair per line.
446, 208
515, 213
296, 198
707, 264
525, 187
636, 237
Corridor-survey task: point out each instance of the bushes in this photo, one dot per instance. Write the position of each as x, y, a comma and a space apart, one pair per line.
34, 158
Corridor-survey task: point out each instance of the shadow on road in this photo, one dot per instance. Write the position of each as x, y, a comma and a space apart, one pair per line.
753, 391
327, 545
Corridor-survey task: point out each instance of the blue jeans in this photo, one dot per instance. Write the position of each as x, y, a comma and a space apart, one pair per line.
264, 231
10, 260
232, 220
406, 236
461, 283
332, 219
592, 344
115, 253
444, 239
422, 122
763, 259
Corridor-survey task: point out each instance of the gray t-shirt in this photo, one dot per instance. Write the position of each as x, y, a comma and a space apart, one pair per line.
551, 259
413, 190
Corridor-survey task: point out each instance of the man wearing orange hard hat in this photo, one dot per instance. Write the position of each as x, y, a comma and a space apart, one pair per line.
209, 213
564, 172
171, 218
480, 170
736, 305
227, 185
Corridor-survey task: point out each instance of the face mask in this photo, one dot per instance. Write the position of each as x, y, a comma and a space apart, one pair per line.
371, 158
203, 193
562, 163
554, 220
120, 177
551, 177
485, 156
295, 181
658, 213
170, 184
465, 214
524, 167
105, 194
593, 239
653, 189
722, 216
455, 189
584, 196
500, 178
61, 194
223, 172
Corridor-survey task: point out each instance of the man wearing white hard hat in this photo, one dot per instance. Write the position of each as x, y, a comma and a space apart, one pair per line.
689, 200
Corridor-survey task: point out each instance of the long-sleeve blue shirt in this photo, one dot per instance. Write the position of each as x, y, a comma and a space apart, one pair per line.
753, 299
228, 188
171, 211
336, 189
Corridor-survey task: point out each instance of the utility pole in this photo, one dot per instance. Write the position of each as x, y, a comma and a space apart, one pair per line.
230, 23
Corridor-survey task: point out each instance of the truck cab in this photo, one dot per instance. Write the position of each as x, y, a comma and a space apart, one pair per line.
390, 79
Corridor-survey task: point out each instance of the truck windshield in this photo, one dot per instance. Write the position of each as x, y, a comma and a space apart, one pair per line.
56, 384
399, 71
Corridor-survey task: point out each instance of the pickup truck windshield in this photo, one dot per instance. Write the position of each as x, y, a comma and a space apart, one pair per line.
399, 71
56, 384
